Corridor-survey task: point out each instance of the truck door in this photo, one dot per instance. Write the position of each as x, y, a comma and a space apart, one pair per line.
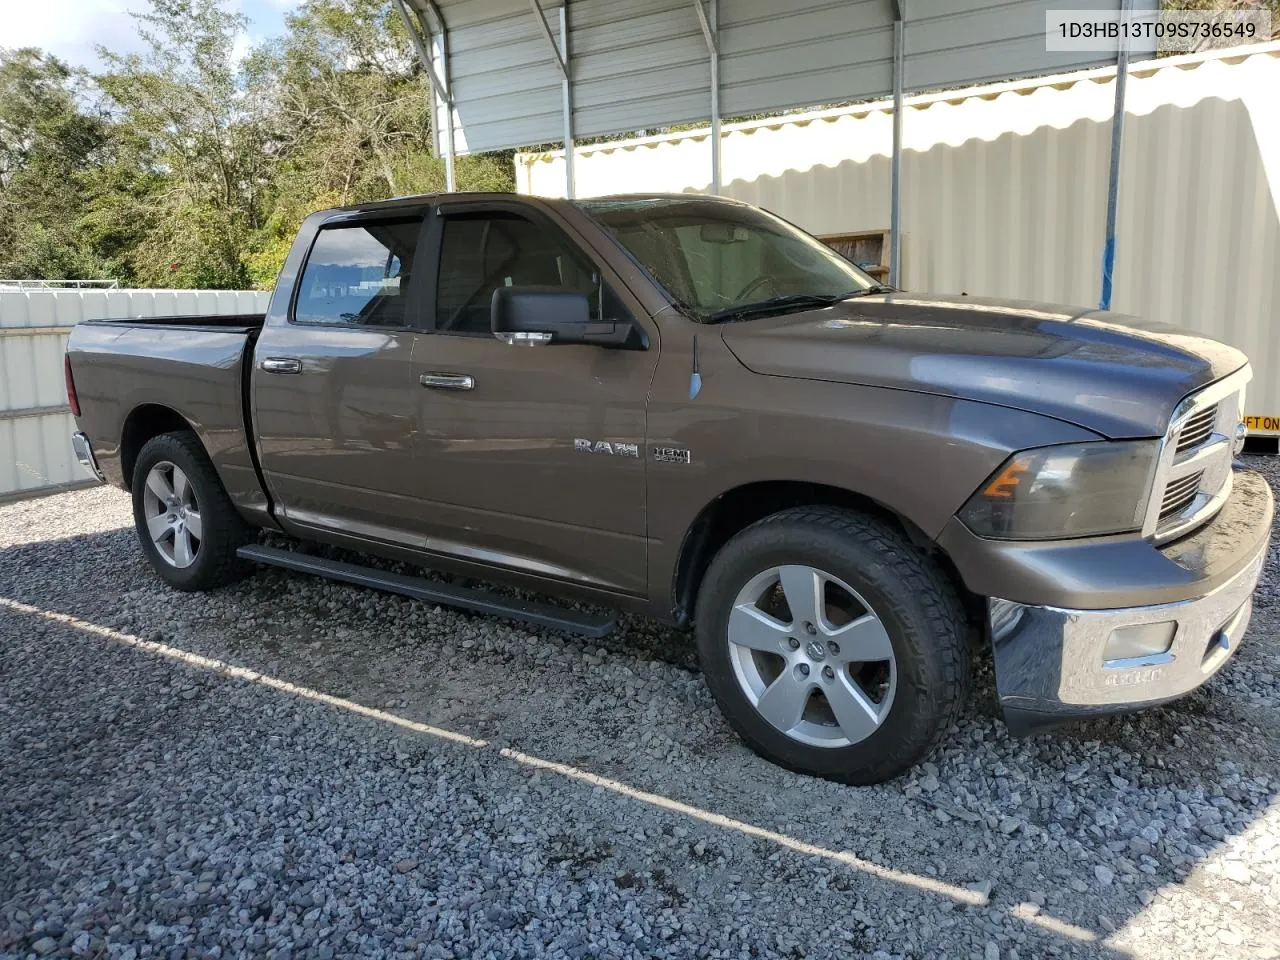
334, 387
534, 457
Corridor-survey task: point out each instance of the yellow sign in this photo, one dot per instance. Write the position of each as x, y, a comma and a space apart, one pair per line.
1259, 424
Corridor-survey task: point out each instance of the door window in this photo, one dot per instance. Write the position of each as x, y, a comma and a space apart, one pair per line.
481, 252
358, 274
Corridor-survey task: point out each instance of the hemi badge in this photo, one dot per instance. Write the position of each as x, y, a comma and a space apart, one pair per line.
671, 455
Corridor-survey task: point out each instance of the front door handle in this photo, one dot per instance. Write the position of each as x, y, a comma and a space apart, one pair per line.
280, 365
447, 381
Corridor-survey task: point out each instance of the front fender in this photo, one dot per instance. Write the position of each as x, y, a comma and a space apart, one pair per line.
918, 455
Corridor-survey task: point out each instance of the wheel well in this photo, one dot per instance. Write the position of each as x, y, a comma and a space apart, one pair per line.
742, 506
143, 423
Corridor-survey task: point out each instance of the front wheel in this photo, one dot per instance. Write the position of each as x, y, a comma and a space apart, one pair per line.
833, 646
186, 523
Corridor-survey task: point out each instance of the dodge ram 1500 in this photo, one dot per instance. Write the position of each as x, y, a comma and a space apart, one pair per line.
685, 407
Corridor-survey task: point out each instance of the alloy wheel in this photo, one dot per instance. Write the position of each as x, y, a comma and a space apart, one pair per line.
173, 514
812, 656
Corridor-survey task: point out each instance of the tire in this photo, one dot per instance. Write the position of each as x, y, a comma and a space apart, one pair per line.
191, 562
882, 597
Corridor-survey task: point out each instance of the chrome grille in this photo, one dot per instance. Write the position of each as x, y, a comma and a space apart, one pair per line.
1193, 475
1179, 494
1196, 430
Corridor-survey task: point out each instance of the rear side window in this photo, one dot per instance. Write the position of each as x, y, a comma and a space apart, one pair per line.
358, 275
481, 252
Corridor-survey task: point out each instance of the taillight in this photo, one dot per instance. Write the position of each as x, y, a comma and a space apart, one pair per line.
72, 400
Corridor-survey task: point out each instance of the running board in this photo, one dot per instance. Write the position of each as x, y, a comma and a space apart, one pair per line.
465, 598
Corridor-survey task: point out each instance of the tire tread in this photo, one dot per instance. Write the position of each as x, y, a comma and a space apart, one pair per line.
229, 531
928, 588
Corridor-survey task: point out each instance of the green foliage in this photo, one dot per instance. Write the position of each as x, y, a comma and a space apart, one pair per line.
190, 166
49, 148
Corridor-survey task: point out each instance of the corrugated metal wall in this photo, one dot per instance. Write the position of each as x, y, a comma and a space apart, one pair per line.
644, 63
35, 425
1004, 190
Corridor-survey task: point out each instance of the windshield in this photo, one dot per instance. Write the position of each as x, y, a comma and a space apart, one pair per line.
716, 257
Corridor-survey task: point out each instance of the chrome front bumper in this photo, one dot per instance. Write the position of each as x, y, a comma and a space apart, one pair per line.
1053, 664
83, 449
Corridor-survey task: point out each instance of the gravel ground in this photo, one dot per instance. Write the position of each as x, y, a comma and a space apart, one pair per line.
297, 768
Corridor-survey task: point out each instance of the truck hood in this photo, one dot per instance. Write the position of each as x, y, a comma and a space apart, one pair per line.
1116, 375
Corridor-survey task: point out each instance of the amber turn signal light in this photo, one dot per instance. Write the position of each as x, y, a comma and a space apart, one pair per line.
1005, 483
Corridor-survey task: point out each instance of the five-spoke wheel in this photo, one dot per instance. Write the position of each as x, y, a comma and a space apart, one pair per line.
812, 656
173, 514
833, 643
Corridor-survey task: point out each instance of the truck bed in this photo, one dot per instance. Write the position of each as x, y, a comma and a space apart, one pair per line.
193, 366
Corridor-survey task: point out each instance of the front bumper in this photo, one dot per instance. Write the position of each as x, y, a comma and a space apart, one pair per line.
83, 449
1053, 663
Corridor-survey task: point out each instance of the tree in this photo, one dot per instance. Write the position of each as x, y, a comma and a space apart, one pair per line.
189, 165
350, 119
184, 118
48, 147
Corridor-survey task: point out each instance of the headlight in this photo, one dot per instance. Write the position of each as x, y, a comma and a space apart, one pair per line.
1076, 490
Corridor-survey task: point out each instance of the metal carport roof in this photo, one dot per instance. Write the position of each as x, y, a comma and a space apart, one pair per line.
510, 73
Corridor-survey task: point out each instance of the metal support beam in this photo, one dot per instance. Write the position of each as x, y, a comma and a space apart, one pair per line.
561, 53
439, 85
561, 61
710, 33
441, 50
895, 162
437, 151
1113, 175
566, 86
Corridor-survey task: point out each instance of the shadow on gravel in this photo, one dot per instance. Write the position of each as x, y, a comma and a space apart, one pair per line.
1063, 844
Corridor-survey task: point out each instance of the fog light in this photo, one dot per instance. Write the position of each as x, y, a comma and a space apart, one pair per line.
1143, 640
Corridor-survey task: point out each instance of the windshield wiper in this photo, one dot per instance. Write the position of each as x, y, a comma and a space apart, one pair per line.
787, 301
873, 290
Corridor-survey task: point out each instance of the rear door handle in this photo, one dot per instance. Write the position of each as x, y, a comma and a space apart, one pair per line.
281, 365
447, 381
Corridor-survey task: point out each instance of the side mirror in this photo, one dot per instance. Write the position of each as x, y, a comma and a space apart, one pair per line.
532, 316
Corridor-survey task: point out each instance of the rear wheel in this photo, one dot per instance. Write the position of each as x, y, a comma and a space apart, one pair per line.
832, 644
187, 526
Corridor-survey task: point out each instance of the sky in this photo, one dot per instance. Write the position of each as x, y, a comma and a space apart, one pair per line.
71, 29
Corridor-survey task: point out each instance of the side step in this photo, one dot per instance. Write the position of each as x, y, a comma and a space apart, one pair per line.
465, 598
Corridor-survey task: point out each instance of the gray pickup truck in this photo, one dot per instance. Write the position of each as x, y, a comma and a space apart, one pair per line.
686, 408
